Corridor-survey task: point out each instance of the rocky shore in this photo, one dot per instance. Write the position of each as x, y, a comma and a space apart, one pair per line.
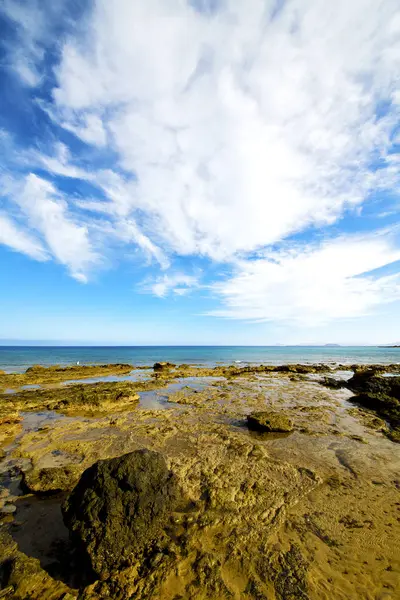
201, 483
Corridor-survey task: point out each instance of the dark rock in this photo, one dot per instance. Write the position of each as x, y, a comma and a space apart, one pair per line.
269, 422
332, 383
368, 381
119, 507
163, 366
379, 394
52, 480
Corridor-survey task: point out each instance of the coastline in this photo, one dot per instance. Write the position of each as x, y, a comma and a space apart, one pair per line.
313, 502
19, 358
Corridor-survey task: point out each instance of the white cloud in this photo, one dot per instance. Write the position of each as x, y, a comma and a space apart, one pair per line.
47, 213
240, 128
178, 283
312, 286
223, 132
16, 238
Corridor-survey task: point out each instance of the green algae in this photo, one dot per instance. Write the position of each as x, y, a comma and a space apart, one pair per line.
38, 374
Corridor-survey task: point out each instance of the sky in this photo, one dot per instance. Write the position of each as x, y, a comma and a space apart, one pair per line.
200, 171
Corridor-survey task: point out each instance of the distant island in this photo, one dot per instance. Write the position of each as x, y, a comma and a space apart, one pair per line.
332, 346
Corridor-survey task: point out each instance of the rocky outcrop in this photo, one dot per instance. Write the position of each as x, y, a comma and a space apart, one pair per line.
371, 382
380, 394
163, 366
119, 507
269, 422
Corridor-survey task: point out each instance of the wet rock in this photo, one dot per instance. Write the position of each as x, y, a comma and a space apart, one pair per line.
332, 383
52, 480
369, 381
379, 394
269, 422
8, 509
92, 398
119, 507
163, 366
23, 577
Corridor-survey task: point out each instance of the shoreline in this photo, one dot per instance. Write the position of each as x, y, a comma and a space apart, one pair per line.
319, 500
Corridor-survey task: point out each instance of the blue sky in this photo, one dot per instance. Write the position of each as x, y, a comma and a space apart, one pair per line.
209, 172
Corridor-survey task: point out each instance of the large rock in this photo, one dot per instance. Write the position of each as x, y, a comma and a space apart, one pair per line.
371, 382
269, 422
119, 507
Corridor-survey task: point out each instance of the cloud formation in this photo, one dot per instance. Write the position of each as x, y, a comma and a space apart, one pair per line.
330, 281
177, 283
227, 130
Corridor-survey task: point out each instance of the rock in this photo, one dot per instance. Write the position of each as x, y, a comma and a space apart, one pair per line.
379, 394
119, 507
4, 492
331, 382
163, 366
369, 381
8, 509
52, 480
269, 422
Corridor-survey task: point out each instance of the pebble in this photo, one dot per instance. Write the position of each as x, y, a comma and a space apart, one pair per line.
4, 492
8, 509
6, 519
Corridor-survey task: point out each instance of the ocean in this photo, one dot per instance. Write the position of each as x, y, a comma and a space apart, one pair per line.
19, 358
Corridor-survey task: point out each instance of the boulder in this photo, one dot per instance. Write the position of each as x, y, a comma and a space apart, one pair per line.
269, 422
52, 480
370, 382
119, 507
379, 394
163, 366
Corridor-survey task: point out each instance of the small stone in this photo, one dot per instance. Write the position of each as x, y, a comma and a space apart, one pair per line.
269, 422
6, 519
8, 509
4, 492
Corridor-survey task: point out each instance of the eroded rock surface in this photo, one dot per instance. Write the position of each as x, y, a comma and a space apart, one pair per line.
269, 422
52, 480
120, 506
380, 394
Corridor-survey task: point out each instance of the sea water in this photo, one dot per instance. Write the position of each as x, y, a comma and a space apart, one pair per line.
19, 358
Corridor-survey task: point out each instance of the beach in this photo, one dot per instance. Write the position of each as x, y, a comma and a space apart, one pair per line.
307, 506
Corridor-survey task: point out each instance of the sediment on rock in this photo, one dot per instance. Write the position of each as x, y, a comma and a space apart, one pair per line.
38, 374
51, 480
266, 421
95, 397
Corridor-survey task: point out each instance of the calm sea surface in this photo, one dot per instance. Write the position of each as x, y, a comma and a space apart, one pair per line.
18, 358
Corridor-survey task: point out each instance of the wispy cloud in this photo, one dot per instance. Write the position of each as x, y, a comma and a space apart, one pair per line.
46, 213
177, 283
313, 285
219, 134
14, 237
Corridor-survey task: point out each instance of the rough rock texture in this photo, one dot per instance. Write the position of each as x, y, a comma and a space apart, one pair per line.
269, 422
380, 394
89, 397
23, 578
163, 366
52, 480
120, 506
38, 374
369, 381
